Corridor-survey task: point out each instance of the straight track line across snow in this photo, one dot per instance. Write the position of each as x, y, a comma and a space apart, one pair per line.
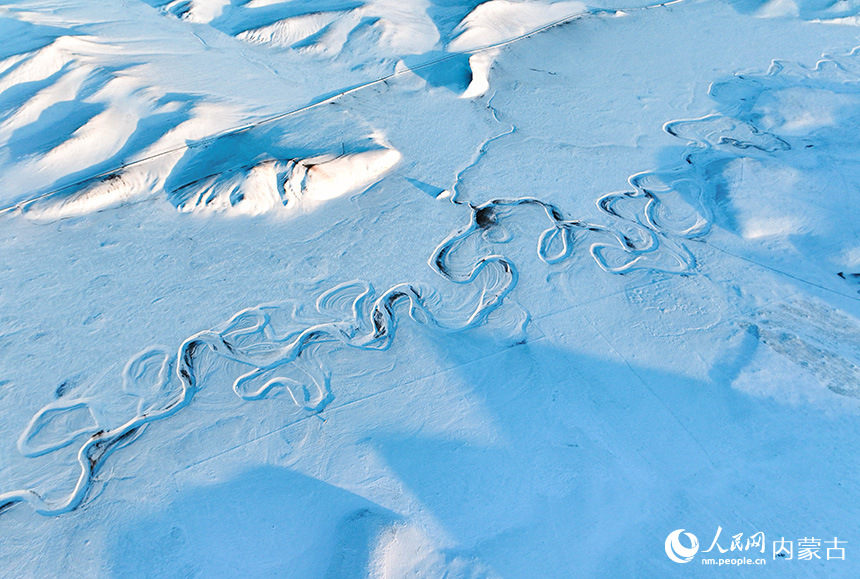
332, 98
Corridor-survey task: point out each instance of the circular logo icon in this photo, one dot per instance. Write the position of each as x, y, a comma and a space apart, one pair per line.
678, 552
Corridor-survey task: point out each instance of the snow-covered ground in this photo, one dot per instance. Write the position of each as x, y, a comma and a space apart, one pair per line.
429, 288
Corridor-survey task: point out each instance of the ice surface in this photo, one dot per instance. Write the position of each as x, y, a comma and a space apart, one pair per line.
426, 289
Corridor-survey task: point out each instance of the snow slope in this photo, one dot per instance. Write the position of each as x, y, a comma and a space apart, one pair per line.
426, 289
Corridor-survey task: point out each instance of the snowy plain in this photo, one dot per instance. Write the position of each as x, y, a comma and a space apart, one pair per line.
431, 288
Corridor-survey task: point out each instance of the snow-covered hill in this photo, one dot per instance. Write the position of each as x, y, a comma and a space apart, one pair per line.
428, 289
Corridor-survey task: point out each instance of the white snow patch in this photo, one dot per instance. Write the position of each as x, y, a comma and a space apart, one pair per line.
271, 184
289, 31
351, 172
778, 9
480, 63
762, 198
801, 110
110, 191
500, 20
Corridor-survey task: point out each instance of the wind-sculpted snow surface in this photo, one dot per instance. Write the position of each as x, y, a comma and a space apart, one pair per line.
105, 137
355, 316
762, 119
349, 28
250, 338
217, 327
648, 227
273, 183
82, 129
831, 11
66, 112
779, 159
780, 164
